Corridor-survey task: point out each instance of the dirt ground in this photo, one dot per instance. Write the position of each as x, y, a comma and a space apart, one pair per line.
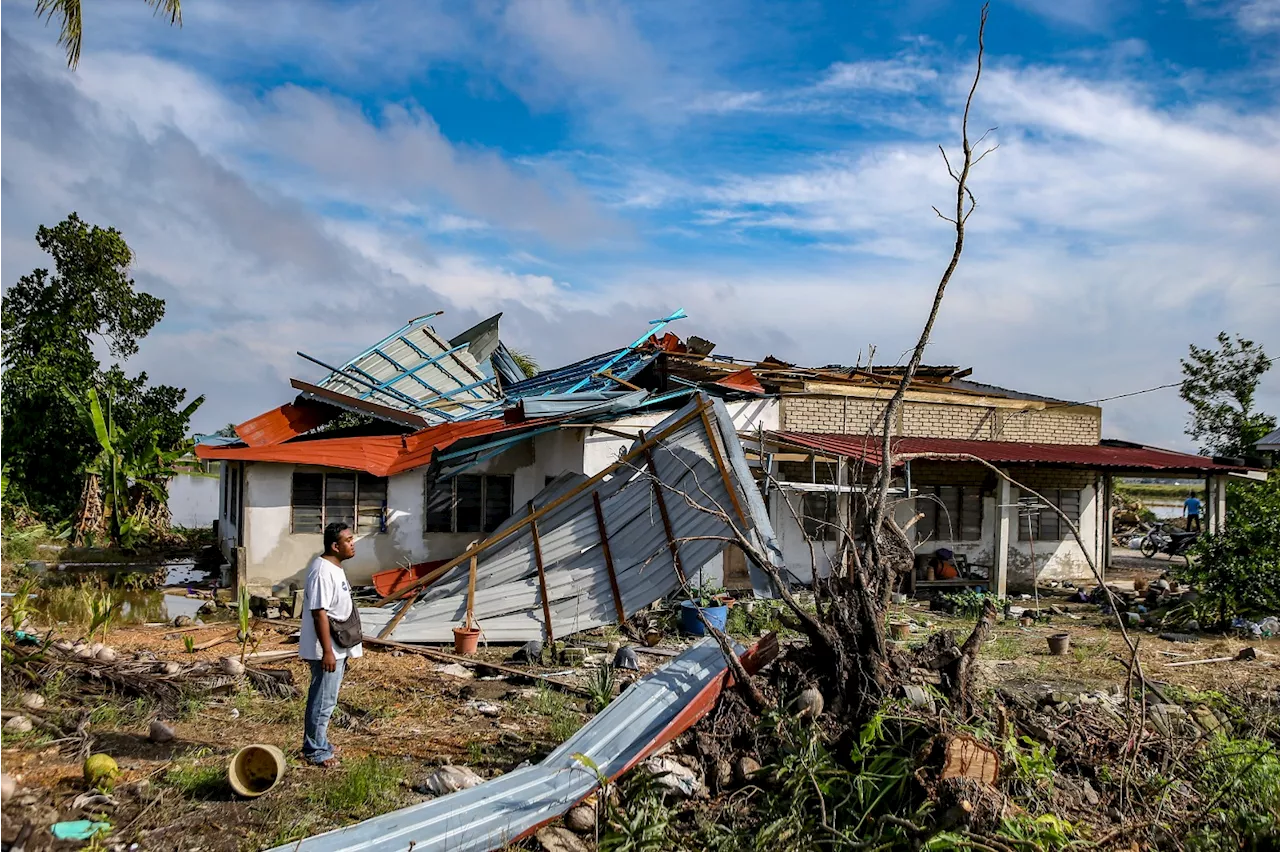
404, 717
399, 709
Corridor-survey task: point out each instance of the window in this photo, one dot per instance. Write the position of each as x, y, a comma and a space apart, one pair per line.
356, 499
469, 503
233, 493
951, 513
819, 514
1044, 522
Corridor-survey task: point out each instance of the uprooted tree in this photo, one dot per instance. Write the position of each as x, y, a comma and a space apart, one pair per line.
849, 656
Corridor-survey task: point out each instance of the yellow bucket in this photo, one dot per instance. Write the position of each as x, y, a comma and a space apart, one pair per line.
255, 769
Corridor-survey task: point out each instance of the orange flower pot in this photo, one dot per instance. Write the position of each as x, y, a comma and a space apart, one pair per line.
466, 640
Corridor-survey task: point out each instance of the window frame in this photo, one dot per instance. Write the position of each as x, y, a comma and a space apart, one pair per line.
1054, 497
935, 521
486, 479
324, 507
822, 528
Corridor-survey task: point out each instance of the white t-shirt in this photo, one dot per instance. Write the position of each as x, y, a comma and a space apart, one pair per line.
326, 588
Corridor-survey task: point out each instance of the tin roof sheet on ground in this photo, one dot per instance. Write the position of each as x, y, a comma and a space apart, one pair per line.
868, 449
496, 813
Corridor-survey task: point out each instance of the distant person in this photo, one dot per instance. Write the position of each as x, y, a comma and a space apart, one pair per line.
943, 564
330, 636
1191, 511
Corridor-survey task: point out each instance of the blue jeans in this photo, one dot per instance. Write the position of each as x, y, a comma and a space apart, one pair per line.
322, 700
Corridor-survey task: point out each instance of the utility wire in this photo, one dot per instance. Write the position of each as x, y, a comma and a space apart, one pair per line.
1131, 393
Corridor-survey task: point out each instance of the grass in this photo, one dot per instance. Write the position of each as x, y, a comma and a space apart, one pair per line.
363, 788
1004, 648
1156, 490
111, 715
196, 777
563, 715
34, 738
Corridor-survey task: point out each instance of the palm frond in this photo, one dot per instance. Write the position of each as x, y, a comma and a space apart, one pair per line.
71, 23
172, 8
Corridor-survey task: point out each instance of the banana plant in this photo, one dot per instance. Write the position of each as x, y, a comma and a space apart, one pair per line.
128, 458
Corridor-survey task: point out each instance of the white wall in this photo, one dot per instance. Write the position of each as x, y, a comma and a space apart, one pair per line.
275, 557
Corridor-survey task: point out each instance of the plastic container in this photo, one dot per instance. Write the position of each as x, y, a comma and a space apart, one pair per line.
1059, 643
255, 769
718, 616
466, 640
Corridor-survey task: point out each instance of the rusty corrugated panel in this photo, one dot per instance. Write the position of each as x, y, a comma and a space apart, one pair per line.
742, 380
288, 421
381, 455
868, 449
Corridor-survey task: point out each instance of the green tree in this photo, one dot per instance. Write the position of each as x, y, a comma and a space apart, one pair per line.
51, 322
71, 21
1219, 385
1238, 569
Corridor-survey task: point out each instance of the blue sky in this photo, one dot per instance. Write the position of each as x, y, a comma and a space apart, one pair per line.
309, 175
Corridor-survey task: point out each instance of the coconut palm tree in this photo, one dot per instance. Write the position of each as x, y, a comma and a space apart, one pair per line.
68, 13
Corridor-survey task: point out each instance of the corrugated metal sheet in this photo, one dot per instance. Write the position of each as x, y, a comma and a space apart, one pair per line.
698, 468
742, 380
649, 713
288, 421
414, 370
867, 448
583, 403
561, 380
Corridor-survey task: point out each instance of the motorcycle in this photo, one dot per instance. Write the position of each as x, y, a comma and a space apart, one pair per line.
1163, 539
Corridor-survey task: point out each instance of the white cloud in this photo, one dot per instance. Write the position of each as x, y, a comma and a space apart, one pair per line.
1259, 16
902, 76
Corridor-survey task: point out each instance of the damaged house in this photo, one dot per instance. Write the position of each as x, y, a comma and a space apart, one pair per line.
439, 452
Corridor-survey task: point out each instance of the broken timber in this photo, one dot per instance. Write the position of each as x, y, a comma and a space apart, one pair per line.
599, 552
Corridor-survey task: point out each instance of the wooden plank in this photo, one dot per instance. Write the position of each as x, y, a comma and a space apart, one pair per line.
542, 578
471, 593
625, 461
226, 637
608, 559
672, 544
444, 656
714, 440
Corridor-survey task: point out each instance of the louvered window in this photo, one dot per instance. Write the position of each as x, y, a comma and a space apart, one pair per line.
356, 499
469, 503
1034, 517
951, 513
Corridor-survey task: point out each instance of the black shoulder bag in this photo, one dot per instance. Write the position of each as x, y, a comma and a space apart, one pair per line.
347, 632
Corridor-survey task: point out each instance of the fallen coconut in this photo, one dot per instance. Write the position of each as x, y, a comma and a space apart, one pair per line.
581, 819
33, 701
231, 666
170, 668
101, 772
106, 655
160, 732
809, 704
181, 621
62, 646
84, 652
19, 725
7, 787
95, 648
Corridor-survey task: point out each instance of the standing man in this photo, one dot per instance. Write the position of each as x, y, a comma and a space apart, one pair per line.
330, 636
1191, 511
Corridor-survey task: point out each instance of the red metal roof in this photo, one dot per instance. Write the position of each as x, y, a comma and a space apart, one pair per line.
867, 448
288, 421
743, 380
381, 455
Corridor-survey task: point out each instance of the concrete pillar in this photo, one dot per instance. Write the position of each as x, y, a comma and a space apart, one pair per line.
1218, 513
1108, 524
1006, 526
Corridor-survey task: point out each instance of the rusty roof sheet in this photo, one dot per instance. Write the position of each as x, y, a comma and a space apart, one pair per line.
868, 449
381, 455
288, 421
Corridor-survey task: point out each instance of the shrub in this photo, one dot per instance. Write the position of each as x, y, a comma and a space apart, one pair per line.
1238, 570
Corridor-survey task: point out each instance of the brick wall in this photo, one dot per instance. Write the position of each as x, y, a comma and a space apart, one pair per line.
1038, 478
1051, 426
852, 416
949, 473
